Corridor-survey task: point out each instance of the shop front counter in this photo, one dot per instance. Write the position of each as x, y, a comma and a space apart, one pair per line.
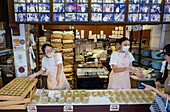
124, 100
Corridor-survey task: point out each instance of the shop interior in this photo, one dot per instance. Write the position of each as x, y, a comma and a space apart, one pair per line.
85, 33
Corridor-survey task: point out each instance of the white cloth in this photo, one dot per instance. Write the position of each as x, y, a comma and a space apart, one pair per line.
31, 57
58, 58
163, 68
114, 58
32, 39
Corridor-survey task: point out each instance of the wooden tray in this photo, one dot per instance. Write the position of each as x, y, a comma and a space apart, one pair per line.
26, 100
21, 96
22, 106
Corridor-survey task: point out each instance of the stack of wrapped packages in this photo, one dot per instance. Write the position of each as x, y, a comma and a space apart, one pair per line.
42, 40
68, 55
56, 41
63, 42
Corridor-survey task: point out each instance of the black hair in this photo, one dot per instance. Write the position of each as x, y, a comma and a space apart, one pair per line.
123, 39
44, 46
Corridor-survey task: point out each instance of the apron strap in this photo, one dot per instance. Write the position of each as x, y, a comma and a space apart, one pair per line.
126, 54
54, 60
166, 102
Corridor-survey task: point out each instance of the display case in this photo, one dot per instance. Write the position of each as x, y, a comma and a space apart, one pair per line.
93, 100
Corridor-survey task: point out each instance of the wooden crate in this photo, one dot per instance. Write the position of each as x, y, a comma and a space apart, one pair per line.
21, 106
27, 99
22, 95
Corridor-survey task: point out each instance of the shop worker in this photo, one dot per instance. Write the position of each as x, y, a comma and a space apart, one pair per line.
121, 64
162, 98
53, 65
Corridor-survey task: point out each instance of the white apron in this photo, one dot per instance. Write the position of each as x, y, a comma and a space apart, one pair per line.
120, 80
52, 81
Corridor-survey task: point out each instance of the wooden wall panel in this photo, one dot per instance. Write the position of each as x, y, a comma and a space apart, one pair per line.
82, 27
92, 28
102, 28
145, 34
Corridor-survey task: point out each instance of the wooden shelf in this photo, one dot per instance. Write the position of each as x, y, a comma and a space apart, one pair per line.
151, 48
135, 46
4, 52
152, 59
136, 55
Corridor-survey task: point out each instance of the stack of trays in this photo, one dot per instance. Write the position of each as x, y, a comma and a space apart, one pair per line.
17, 94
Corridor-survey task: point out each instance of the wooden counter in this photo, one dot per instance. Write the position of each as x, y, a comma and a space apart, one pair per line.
133, 80
89, 108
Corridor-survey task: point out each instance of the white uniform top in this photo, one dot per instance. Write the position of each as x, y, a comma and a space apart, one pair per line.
163, 68
115, 56
51, 61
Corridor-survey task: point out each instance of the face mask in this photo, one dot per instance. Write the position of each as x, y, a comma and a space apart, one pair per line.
50, 55
125, 48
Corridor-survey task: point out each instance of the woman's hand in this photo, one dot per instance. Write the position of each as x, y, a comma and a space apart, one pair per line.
147, 87
132, 69
158, 84
140, 74
31, 76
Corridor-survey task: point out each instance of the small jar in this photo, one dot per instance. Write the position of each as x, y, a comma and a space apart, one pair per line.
68, 92
83, 92
61, 99
75, 92
57, 97
77, 99
94, 94
85, 99
69, 99
105, 93
52, 100
45, 100
81, 96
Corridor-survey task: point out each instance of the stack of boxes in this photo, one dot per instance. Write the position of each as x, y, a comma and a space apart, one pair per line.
68, 55
63, 42
42, 40
56, 41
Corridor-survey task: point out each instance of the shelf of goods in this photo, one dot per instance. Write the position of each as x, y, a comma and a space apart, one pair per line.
17, 94
149, 58
63, 43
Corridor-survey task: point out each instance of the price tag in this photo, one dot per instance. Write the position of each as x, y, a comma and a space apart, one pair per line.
57, 40
68, 108
69, 98
86, 98
114, 107
67, 50
77, 98
69, 58
67, 42
31, 108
